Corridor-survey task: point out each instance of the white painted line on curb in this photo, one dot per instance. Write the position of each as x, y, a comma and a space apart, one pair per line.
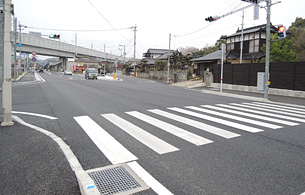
82, 177
35, 114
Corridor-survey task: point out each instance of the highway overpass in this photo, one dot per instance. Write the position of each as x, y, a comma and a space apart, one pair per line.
45, 46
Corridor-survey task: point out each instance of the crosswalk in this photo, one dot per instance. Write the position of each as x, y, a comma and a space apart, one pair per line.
218, 120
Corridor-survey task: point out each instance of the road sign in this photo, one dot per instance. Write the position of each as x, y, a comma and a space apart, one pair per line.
34, 53
34, 59
19, 45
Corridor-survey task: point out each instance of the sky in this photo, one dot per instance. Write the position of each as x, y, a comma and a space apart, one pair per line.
107, 24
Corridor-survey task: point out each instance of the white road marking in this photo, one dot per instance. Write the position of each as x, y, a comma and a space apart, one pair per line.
112, 149
283, 107
271, 109
217, 120
35, 114
183, 134
148, 179
82, 177
250, 115
151, 141
196, 124
263, 124
263, 113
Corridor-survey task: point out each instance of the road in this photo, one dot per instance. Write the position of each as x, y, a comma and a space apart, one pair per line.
189, 142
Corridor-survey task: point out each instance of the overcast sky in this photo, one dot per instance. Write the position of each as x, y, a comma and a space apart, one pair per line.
155, 20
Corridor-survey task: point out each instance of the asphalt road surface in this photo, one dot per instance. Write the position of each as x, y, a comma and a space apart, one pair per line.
189, 142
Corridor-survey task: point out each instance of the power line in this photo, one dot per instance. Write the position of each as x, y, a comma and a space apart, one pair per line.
193, 31
106, 19
78, 30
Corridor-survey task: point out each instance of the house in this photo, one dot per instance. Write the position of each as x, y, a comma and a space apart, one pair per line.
253, 40
156, 54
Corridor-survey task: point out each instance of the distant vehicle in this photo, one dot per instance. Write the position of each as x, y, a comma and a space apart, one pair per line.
91, 73
67, 72
40, 69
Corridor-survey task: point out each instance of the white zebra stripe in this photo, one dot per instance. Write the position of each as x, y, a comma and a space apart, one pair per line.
183, 134
217, 120
250, 115
263, 124
110, 147
151, 141
196, 124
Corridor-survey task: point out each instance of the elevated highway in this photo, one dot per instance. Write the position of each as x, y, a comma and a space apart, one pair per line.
44, 46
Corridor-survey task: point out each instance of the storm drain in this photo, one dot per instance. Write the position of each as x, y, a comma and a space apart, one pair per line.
117, 179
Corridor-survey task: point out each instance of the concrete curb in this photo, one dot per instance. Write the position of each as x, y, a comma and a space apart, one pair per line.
273, 91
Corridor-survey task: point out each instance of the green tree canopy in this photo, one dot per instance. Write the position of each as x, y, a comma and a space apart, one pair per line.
280, 50
297, 35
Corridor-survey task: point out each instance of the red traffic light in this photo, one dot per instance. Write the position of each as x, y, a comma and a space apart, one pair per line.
211, 19
281, 32
281, 29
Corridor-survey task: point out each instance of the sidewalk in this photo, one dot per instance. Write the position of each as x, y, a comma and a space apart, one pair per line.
200, 86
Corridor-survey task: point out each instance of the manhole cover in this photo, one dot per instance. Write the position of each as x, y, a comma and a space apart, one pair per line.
116, 179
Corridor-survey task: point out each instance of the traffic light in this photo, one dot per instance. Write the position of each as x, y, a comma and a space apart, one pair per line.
54, 36
281, 32
211, 19
251, 1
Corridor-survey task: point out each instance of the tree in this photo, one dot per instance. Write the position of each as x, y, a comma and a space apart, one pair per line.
161, 65
208, 49
280, 50
297, 34
144, 67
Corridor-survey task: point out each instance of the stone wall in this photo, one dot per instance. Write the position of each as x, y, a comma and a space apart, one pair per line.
175, 77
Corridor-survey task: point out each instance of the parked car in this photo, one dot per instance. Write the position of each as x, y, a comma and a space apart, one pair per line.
40, 69
68, 72
91, 73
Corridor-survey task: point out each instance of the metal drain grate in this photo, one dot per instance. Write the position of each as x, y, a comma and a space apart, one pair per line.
116, 179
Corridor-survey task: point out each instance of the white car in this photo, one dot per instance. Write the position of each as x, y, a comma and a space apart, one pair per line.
67, 72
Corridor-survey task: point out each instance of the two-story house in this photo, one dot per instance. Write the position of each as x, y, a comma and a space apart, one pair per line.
155, 54
253, 40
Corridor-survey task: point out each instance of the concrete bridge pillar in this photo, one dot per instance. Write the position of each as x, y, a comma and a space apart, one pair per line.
63, 61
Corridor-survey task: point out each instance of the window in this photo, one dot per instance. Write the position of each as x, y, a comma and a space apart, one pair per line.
254, 46
252, 36
237, 39
246, 37
230, 46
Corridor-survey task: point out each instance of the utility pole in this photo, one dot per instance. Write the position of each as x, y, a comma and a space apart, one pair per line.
134, 50
6, 78
19, 62
242, 38
1, 55
15, 48
267, 63
169, 57
123, 51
